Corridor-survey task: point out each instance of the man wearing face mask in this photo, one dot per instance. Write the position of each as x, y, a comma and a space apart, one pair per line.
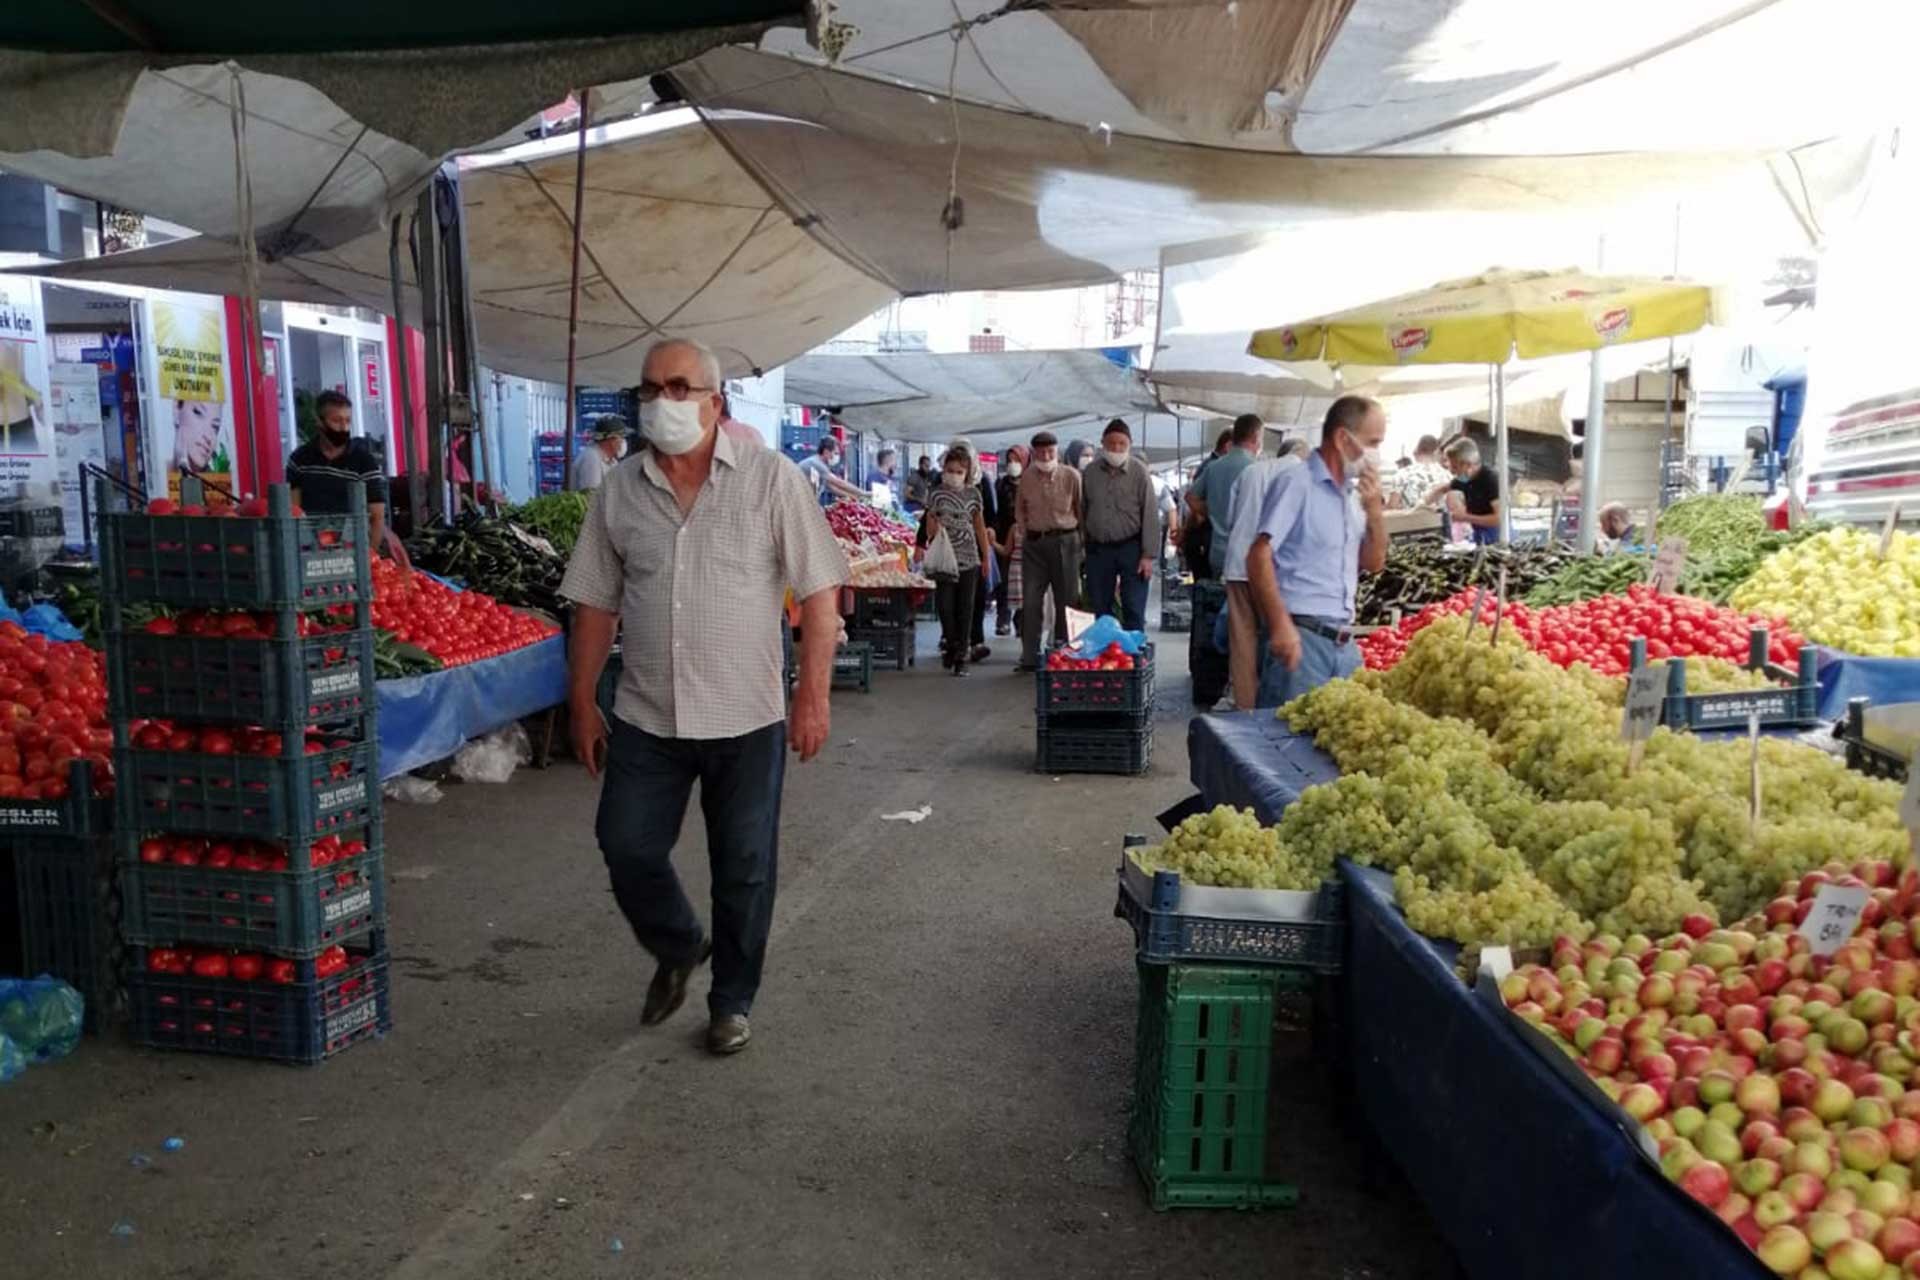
591, 464
1123, 528
819, 470
1321, 524
690, 553
1048, 508
919, 484
323, 472
1006, 491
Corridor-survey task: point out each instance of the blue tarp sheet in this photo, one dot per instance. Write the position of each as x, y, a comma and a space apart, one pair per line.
1844, 676
1471, 1112
426, 718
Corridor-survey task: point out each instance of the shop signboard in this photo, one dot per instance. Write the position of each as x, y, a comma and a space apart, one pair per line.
27, 461
193, 420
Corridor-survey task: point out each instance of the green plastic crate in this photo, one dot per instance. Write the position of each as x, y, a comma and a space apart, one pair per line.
1202, 1058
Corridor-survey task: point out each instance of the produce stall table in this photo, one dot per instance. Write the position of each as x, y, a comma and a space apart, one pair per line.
1525, 1175
427, 717
1885, 680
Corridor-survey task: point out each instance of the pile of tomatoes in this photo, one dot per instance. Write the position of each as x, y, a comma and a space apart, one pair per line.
53, 709
223, 740
456, 627
235, 625
1600, 631
240, 966
1111, 658
220, 853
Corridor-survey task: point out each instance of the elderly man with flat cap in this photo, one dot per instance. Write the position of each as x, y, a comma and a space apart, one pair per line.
1048, 509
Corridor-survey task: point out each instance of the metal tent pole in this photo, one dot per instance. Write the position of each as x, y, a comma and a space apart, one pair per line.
416, 486
573, 288
433, 329
1596, 433
1504, 462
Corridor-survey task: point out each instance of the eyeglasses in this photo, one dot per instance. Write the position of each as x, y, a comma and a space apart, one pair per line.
672, 388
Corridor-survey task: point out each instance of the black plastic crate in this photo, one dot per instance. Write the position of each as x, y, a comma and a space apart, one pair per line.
237, 561
1164, 934
1175, 619
33, 522
305, 1021
1864, 756
280, 683
1064, 748
269, 797
66, 904
288, 913
1077, 693
889, 645
78, 813
891, 609
853, 666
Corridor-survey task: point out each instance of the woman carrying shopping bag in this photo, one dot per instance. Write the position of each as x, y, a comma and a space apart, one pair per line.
956, 532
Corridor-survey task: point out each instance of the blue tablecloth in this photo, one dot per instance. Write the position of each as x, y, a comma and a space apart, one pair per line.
426, 718
1525, 1174
1844, 676
1251, 760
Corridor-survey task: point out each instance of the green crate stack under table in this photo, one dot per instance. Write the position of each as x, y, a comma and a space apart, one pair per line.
265, 843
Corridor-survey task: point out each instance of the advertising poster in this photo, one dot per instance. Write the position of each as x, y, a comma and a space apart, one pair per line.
79, 435
27, 463
193, 420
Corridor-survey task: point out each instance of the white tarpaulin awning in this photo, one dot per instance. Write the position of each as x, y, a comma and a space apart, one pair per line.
1487, 77
923, 396
867, 166
678, 241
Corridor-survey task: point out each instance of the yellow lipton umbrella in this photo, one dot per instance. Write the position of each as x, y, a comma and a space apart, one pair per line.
1490, 319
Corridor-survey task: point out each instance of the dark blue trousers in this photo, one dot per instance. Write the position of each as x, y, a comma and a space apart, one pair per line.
1111, 562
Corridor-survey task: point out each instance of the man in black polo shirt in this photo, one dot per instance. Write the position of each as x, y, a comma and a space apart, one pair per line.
322, 474
1479, 489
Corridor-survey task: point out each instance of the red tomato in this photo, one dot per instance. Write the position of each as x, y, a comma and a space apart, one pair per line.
246, 967
282, 971
212, 965
153, 849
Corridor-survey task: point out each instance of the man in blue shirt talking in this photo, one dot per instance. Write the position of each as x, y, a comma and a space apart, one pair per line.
1320, 524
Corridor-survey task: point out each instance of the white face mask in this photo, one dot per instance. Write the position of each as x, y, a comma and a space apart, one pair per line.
673, 426
1047, 465
953, 479
1116, 457
1014, 469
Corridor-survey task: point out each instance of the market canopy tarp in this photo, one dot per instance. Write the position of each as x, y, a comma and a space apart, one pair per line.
867, 165
678, 242
923, 396
1488, 77
347, 108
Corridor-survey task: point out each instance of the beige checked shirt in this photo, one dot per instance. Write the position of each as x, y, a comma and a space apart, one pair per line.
700, 597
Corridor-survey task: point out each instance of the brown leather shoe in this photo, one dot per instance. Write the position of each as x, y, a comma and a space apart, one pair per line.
668, 990
728, 1033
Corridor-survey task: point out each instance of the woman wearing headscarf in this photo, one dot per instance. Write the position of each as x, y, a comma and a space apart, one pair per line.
1006, 597
990, 513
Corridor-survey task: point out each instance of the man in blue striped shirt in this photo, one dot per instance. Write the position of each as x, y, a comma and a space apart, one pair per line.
1320, 524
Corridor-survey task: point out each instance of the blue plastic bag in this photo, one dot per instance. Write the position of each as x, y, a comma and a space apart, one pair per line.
1106, 630
47, 620
41, 1016
12, 1061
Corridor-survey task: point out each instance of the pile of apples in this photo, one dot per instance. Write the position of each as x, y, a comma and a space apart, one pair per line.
1780, 1086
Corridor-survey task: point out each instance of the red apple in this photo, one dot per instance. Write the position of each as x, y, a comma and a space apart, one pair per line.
1803, 1190
1785, 1250
1898, 1239
1854, 1260
1706, 1182
1864, 1149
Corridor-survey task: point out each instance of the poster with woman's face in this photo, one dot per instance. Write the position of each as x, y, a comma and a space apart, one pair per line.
192, 429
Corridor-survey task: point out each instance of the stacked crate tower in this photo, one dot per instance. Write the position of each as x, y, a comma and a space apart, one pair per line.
253, 896
1095, 721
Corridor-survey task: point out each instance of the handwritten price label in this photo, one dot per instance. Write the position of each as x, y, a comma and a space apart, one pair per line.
1835, 915
1667, 564
1497, 962
1646, 689
1473, 619
1500, 607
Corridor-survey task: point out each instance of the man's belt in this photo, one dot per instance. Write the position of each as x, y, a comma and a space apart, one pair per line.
1340, 633
1115, 542
1054, 533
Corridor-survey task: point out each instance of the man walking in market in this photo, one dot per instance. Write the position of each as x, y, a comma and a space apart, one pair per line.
1320, 524
591, 464
1123, 527
1048, 509
690, 555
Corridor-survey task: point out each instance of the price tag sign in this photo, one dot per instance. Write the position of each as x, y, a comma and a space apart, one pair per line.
1077, 623
1667, 564
1886, 530
1753, 770
1646, 690
1496, 962
1835, 915
1473, 619
1500, 606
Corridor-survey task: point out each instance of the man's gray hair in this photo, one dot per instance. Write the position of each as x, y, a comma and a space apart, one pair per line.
709, 362
1464, 450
